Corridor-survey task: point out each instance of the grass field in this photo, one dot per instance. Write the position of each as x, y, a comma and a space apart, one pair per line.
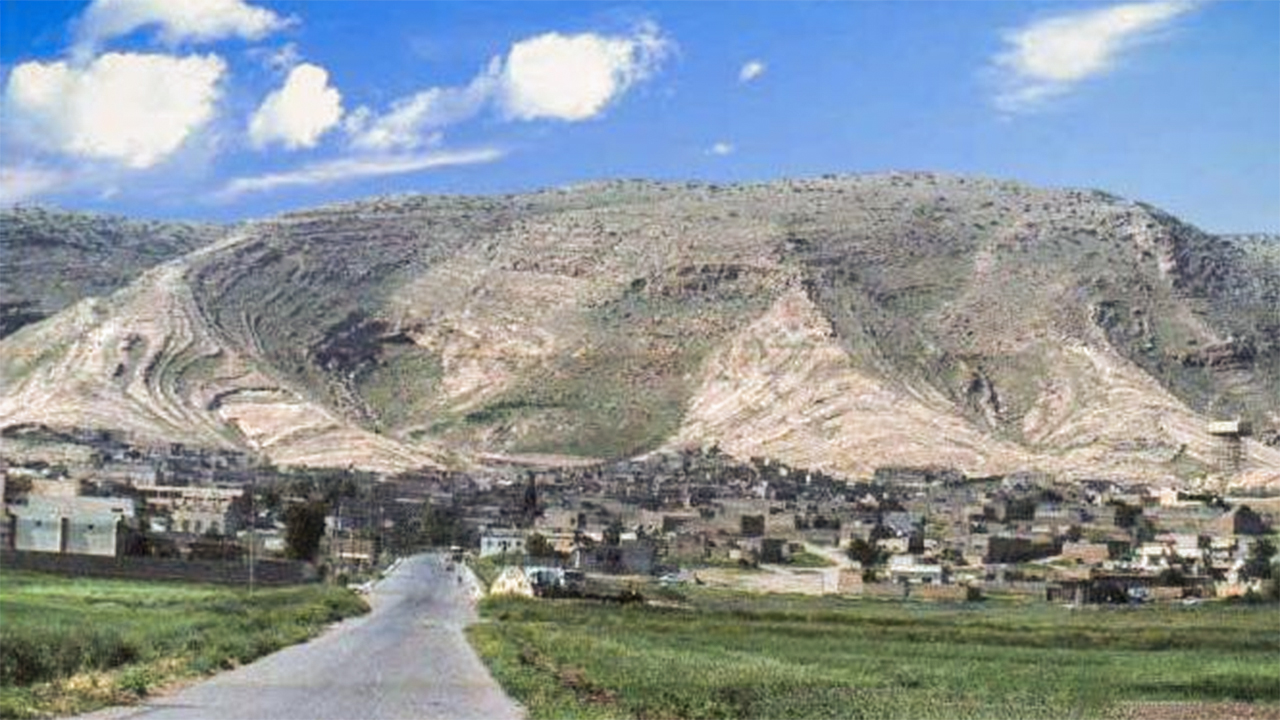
724, 655
70, 645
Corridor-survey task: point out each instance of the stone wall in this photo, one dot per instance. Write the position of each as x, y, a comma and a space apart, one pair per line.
266, 572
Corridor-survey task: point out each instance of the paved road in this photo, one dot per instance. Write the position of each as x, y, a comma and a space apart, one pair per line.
406, 659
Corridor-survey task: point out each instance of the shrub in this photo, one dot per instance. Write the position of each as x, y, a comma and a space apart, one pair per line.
137, 680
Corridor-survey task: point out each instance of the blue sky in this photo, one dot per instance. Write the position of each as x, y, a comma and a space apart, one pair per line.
228, 109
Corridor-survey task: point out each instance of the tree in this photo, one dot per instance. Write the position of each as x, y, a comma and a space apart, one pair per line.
441, 526
537, 545
303, 528
1172, 577
1249, 522
864, 552
613, 533
1258, 564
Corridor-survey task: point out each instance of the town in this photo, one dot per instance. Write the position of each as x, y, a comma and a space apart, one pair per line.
692, 516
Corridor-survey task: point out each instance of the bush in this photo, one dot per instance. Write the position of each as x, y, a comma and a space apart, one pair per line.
138, 680
42, 655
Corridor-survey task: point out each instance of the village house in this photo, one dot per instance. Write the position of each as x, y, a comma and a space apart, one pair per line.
187, 509
630, 557
909, 569
70, 525
501, 541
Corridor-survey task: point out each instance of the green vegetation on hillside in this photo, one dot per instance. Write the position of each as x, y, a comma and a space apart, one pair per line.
54, 258
722, 655
71, 645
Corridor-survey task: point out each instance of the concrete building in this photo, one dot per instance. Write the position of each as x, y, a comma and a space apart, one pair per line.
907, 568
77, 526
197, 510
501, 541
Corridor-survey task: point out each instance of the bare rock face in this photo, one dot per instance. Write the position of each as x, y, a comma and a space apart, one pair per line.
838, 323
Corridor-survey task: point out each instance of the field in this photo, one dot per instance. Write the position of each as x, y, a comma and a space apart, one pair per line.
70, 645
713, 654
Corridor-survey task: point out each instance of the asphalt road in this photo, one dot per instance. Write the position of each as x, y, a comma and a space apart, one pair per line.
407, 658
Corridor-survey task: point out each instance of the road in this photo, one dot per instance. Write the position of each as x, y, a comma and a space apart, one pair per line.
407, 658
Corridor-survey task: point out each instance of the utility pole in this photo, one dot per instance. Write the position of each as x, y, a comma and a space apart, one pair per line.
253, 523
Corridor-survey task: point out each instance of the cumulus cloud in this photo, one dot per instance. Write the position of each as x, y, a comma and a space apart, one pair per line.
1049, 57
176, 20
575, 77
297, 114
413, 122
20, 183
547, 77
721, 148
751, 70
351, 168
135, 109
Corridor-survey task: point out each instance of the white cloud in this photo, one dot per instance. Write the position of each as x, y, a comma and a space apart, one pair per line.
1047, 58
721, 148
575, 77
177, 20
414, 121
551, 76
131, 108
751, 70
286, 58
25, 182
357, 167
299, 112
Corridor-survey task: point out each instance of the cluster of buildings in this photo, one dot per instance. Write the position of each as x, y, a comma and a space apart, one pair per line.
903, 526
654, 515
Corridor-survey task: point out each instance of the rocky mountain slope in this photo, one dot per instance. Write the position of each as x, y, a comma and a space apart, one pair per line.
839, 323
53, 258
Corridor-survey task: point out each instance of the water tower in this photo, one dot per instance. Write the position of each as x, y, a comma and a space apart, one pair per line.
1231, 435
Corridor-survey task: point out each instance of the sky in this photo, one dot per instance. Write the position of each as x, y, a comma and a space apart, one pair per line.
234, 109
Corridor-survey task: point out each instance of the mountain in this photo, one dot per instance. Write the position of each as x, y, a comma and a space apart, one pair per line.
53, 258
842, 323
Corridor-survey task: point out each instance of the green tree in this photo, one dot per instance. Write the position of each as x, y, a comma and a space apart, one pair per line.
864, 552
441, 526
537, 545
303, 528
613, 533
1258, 564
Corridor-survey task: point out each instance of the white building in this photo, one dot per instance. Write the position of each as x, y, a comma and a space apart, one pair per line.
906, 568
501, 542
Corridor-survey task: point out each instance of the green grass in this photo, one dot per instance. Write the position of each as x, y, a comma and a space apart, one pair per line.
488, 568
70, 645
810, 560
726, 655
401, 386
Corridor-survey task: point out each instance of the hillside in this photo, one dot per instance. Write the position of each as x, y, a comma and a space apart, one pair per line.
841, 323
53, 258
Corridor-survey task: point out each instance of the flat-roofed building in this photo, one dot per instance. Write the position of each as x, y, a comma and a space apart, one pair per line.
75, 526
